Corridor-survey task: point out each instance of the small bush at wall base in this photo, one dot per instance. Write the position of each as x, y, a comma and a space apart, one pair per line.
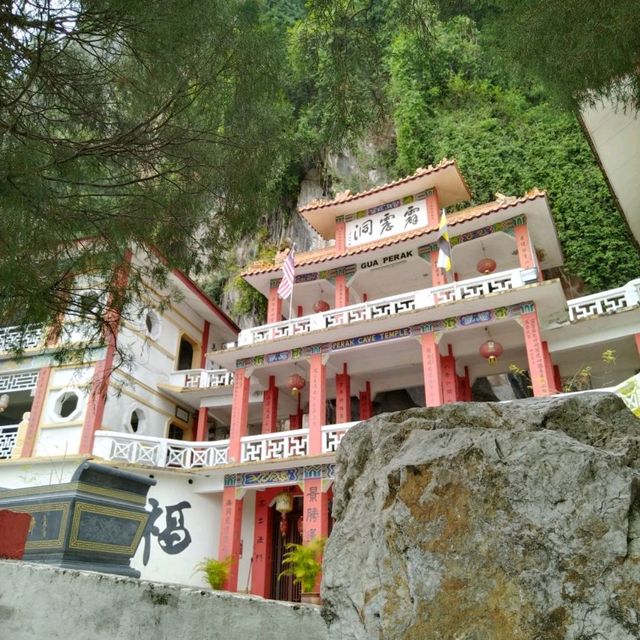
216, 572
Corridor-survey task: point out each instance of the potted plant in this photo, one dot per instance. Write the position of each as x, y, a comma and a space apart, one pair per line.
304, 562
216, 572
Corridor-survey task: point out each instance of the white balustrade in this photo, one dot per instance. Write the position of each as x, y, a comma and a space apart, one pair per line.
332, 435
8, 437
28, 337
605, 302
201, 378
391, 306
18, 381
275, 446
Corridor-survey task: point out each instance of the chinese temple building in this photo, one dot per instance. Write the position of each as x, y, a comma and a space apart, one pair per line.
240, 428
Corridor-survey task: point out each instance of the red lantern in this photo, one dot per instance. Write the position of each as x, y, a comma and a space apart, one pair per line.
486, 266
296, 382
491, 350
320, 306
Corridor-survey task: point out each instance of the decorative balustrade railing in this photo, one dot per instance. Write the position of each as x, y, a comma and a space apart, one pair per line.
201, 378
29, 337
391, 306
18, 381
275, 446
332, 435
605, 302
8, 437
161, 452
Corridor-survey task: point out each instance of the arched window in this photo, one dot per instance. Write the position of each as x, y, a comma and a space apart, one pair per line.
175, 432
185, 354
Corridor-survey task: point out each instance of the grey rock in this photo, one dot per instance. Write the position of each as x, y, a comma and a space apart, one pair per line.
477, 521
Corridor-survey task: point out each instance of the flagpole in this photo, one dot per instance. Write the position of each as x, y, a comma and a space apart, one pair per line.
293, 246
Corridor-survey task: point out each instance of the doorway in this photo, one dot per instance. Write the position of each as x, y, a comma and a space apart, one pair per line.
283, 588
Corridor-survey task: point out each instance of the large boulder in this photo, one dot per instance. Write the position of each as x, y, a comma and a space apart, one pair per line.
477, 521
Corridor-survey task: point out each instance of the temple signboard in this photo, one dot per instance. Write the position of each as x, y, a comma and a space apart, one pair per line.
386, 220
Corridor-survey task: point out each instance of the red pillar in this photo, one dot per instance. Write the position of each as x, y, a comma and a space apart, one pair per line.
261, 565
342, 292
449, 381
315, 515
548, 363
270, 407
526, 255
202, 427
317, 403
556, 377
637, 337
230, 532
42, 386
438, 276
366, 408
431, 370
540, 381
274, 306
343, 397
341, 237
239, 414
433, 209
205, 344
467, 385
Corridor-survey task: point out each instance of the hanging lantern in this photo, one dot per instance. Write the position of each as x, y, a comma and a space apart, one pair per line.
284, 506
491, 350
320, 306
486, 266
296, 382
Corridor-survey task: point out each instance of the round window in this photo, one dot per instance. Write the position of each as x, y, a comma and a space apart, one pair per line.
67, 405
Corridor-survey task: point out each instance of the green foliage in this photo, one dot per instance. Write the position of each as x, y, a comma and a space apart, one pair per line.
216, 572
304, 562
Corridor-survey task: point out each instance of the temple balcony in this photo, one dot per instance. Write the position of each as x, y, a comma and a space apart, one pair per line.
191, 379
605, 302
162, 452
8, 438
391, 306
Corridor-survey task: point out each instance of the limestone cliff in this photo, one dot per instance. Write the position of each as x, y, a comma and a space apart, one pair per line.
507, 521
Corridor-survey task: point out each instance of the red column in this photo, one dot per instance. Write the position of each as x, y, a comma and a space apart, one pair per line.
239, 414
40, 396
366, 408
317, 403
343, 397
202, 427
548, 364
274, 306
637, 337
342, 292
230, 532
556, 377
540, 381
315, 514
205, 344
270, 407
341, 237
261, 565
467, 385
431, 370
433, 209
525, 249
438, 276
300, 311
449, 382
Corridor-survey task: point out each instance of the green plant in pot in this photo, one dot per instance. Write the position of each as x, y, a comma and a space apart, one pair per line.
304, 562
216, 572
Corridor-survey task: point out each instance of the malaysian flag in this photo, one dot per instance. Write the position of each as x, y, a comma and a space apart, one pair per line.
286, 284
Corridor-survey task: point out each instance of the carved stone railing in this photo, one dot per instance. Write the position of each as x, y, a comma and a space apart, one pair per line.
390, 306
29, 337
162, 452
201, 378
8, 437
605, 302
18, 381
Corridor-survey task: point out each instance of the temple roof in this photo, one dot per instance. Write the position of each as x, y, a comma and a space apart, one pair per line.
453, 219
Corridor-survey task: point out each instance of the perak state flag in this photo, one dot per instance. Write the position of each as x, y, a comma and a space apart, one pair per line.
286, 284
444, 246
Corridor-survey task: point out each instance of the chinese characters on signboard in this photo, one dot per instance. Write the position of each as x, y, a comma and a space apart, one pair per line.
368, 226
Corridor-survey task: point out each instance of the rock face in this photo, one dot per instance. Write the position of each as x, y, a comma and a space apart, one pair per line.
488, 522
